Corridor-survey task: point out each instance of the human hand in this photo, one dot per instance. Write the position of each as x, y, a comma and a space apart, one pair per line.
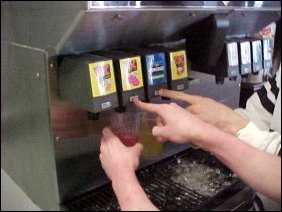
209, 111
117, 159
174, 123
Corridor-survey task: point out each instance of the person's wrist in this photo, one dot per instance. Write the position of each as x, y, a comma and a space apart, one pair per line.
122, 179
122, 172
200, 137
205, 140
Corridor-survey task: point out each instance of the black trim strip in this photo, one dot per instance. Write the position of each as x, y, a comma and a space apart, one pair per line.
259, 203
266, 103
274, 89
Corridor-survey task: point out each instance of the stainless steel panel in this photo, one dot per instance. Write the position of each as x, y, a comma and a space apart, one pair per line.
146, 4
111, 29
250, 22
102, 29
27, 151
69, 28
38, 23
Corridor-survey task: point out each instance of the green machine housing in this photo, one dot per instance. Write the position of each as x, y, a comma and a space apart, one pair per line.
125, 74
76, 85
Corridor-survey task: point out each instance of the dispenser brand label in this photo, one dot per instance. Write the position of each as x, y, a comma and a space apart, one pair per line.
267, 49
102, 78
180, 87
156, 68
257, 51
106, 105
232, 53
131, 73
178, 65
245, 53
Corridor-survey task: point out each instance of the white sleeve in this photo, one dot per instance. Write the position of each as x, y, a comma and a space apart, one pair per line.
260, 106
259, 111
263, 140
256, 113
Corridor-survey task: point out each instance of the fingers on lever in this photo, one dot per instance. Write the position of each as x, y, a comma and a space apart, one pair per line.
177, 95
149, 107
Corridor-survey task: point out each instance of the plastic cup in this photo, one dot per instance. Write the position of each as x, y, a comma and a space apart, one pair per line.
126, 126
151, 147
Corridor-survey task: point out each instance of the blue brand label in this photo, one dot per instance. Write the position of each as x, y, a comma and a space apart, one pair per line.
257, 52
156, 68
267, 49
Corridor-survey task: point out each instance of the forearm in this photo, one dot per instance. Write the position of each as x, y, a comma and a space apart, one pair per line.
130, 194
258, 169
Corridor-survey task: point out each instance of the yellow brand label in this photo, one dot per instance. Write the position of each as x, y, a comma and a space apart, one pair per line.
102, 78
131, 73
178, 65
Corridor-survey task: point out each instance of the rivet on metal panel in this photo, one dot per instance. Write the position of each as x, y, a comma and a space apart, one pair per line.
37, 75
118, 16
191, 15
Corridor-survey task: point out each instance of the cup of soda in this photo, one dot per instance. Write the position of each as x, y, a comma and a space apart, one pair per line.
151, 147
126, 126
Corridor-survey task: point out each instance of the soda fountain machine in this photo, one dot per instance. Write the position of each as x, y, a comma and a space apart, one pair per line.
154, 70
129, 76
52, 78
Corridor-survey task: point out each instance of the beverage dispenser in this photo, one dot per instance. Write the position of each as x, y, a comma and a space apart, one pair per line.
256, 50
88, 81
154, 70
267, 55
178, 69
51, 75
129, 77
206, 44
256, 75
230, 62
245, 58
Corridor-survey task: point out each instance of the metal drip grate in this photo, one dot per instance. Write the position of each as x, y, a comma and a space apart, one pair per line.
102, 199
162, 191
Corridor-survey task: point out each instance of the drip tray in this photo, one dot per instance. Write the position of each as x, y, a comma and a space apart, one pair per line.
168, 194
